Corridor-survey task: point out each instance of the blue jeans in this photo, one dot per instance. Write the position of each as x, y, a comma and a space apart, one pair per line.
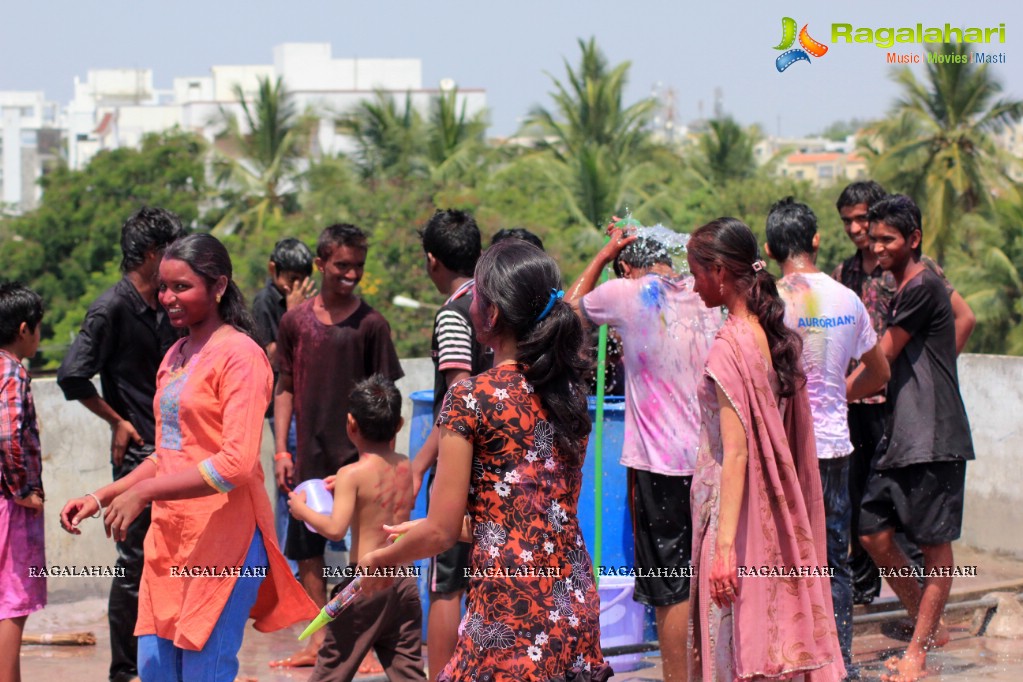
161, 661
837, 519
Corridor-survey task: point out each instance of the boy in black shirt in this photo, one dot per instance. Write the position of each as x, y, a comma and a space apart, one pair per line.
123, 338
917, 482
289, 283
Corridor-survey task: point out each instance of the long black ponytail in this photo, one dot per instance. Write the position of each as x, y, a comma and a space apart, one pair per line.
523, 283
729, 243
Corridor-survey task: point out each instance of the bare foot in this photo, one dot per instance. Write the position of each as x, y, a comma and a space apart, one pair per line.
370, 664
941, 637
909, 668
303, 659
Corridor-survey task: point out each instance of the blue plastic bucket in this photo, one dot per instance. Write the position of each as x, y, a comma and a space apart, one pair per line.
419, 430
616, 524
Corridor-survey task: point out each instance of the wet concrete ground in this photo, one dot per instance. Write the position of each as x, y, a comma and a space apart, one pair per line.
966, 657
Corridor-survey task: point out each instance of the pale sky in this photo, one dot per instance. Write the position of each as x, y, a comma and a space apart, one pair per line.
506, 47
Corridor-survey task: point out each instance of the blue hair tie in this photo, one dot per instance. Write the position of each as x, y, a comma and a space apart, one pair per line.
556, 295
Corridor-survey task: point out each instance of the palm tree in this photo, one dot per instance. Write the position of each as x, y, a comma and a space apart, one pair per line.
989, 272
724, 153
591, 146
454, 140
257, 169
952, 166
389, 142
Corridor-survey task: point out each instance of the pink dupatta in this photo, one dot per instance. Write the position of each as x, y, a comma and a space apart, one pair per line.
782, 627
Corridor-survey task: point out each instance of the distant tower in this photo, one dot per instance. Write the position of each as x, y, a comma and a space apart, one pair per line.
664, 122
719, 107
670, 114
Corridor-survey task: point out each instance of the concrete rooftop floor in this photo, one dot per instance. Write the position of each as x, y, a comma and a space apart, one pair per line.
966, 657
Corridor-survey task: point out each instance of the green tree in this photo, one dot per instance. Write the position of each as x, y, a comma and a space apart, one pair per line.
455, 146
591, 146
839, 131
989, 273
68, 249
952, 166
389, 141
257, 169
724, 152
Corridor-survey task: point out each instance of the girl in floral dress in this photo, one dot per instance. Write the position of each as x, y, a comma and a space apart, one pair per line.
512, 446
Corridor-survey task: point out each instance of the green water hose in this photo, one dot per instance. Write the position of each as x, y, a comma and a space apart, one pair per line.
598, 429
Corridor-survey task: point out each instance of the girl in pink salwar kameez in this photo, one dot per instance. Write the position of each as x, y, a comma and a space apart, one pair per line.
761, 601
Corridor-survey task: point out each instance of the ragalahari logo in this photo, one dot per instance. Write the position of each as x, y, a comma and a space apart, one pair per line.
788, 36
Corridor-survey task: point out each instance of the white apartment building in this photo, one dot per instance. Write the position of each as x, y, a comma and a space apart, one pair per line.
30, 134
116, 107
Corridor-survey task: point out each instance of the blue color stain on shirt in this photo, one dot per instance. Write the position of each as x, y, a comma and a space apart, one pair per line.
652, 293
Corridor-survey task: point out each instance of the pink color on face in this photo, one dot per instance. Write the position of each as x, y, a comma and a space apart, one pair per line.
184, 294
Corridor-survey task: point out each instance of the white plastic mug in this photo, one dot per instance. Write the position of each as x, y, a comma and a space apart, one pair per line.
317, 496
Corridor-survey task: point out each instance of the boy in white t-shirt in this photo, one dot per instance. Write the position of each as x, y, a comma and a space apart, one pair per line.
835, 328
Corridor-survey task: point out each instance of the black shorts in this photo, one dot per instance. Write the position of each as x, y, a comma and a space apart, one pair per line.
662, 528
925, 501
447, 569
301, 543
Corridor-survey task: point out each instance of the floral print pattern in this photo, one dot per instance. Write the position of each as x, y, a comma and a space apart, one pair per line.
543, 622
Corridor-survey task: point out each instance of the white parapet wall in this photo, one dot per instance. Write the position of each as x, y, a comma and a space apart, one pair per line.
76, 459
992, 388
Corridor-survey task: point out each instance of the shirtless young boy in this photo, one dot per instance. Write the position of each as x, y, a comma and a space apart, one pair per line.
374, 491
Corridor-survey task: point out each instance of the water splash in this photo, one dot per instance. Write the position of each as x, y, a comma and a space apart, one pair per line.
660, 241
671, 240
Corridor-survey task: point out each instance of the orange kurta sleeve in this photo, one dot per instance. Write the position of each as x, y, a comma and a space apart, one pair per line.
243, 386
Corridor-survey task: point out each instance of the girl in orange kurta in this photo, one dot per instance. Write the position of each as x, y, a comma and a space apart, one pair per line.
211, 561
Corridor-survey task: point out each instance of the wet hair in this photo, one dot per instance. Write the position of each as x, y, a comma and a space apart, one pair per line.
18, 304
375, 404
147, 229
642, 253
340, 234
730, 244
518, 279
291, 255
900, 212
209, 259
864, 192
454, 239
517, 233
790, 229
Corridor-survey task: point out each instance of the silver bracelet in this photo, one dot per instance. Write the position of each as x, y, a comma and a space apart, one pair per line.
100, 512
